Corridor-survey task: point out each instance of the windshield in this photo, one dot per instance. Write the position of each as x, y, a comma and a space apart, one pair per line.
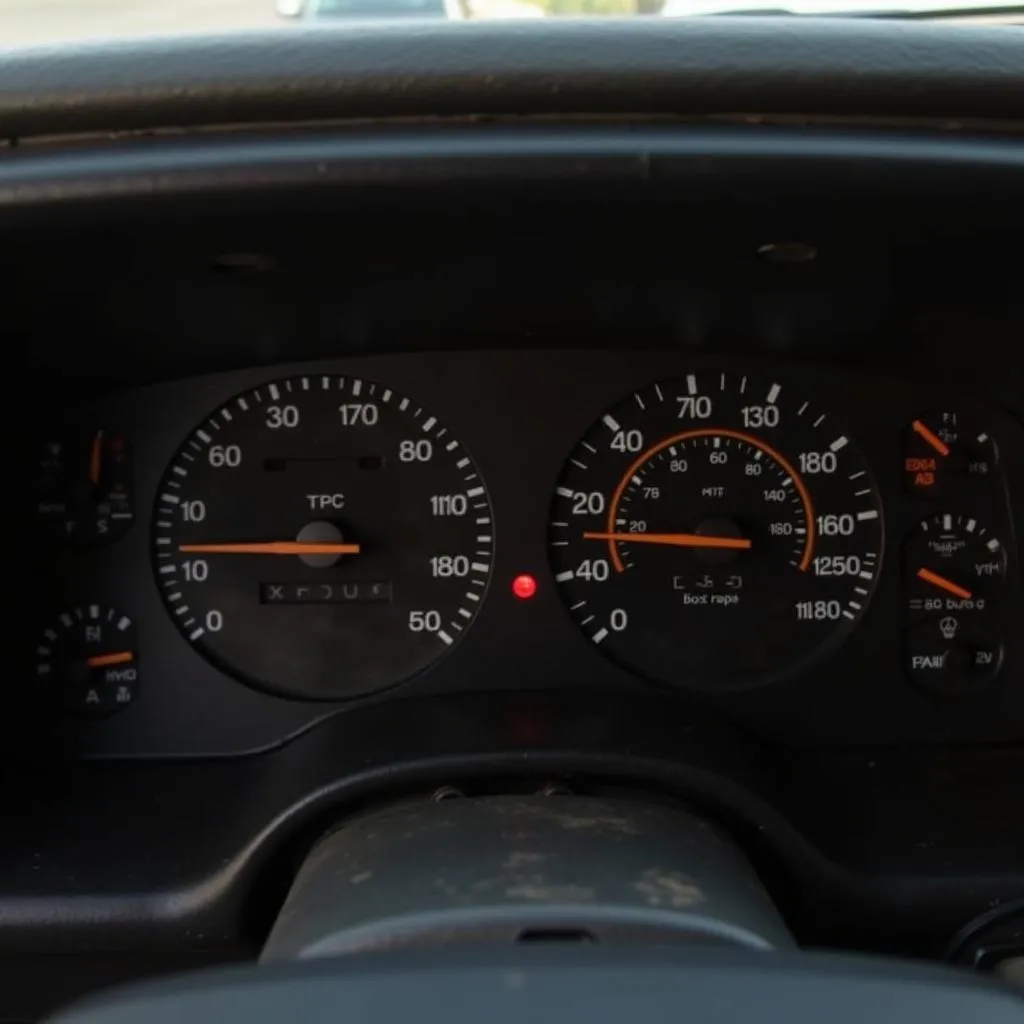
27, 22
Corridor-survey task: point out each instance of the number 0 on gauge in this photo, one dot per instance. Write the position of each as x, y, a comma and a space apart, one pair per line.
716, 531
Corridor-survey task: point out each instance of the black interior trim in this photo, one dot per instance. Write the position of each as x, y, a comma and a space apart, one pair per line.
703, 65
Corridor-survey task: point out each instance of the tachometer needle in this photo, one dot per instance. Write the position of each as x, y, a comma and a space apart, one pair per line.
103, 660
274, 547
943, 584
931, 437
679, 540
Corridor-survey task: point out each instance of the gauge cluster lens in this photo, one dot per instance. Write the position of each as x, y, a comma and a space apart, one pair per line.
716, 530
323, 537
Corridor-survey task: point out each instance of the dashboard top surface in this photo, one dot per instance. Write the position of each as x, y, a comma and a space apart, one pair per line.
702, 65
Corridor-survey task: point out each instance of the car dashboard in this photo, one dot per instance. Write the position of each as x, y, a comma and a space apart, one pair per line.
465, 443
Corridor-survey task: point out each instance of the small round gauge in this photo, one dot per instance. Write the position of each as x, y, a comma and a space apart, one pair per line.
943, 452
954, 567
84, 488
716, 531
88, 660
322, 537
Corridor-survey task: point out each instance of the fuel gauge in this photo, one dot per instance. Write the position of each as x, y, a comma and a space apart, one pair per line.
84, 487
942, 452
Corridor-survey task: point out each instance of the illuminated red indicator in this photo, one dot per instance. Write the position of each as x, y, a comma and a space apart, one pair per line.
524, 587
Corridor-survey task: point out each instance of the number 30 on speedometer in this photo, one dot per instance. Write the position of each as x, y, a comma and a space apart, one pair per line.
716, 530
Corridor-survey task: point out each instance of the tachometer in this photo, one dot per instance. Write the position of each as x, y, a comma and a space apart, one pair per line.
715, 531
323, 537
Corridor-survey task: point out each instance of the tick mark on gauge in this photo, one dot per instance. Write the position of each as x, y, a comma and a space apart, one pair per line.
444, 637
773, 393
475, 492
691, 383
274, 393
610, 422
563, 492
839, 443
203, 436
599, 635
869, 513
564, 577
428, 424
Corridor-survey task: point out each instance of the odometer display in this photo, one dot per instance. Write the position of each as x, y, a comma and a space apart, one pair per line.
322, 537
715, 531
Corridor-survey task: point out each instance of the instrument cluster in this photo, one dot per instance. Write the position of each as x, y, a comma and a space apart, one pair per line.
773, 539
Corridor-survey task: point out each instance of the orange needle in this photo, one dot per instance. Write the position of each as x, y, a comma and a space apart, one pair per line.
96, 459
103, 660
943, 584
679, 540
273, 547
931, 437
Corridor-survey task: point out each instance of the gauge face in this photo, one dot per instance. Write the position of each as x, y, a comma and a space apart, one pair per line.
954, 568
88, 660
715, 531
944, 453
954, 580
85, 488
323, 537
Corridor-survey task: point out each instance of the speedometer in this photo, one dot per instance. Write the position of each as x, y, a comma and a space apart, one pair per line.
322, 537
716, 530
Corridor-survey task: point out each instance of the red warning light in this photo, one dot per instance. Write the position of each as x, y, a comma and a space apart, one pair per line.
524, 587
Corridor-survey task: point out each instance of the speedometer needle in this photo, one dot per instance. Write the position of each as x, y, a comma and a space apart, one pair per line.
273, 547
679, 540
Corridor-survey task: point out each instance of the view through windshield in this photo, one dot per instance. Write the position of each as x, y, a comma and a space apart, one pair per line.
27, 22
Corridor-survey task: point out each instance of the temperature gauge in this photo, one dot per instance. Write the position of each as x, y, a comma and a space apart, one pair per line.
88, 659
85, 488
942, 452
